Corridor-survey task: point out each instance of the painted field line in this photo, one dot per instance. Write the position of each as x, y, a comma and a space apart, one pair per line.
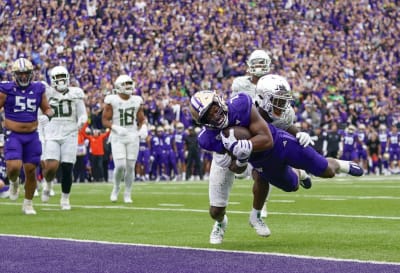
203, 249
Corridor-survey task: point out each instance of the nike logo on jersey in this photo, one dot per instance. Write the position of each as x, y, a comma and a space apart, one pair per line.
237, 122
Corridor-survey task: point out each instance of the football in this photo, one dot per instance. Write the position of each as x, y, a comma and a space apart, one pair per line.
240, 132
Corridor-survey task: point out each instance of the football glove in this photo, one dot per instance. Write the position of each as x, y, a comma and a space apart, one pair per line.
229, 141
304, 139
81, 121
43, 120
242, 149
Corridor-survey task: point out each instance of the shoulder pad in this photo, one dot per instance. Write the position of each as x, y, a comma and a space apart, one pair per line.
76, 92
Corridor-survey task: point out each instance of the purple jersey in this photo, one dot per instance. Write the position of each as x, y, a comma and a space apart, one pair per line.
349, 147
22, 104
383, 138
275, 164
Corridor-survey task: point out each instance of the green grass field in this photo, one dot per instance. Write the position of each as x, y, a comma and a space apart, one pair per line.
339, 218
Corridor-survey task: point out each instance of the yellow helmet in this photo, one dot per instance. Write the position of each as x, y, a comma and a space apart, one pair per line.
22, 70
201, 101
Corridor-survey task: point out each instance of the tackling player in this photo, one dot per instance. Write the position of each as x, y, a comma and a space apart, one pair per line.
258, 66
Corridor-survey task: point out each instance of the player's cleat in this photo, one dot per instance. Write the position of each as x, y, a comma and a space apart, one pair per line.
14, 191
306, 183
36, 193
65, 205
45, 196
52, 192
127, 198
114, 195
260, 227
28, 209
355, 170
218, 231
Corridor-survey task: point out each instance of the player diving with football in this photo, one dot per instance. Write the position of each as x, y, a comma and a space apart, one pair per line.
274, 154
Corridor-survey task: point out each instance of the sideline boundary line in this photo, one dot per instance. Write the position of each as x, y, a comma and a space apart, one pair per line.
202, 249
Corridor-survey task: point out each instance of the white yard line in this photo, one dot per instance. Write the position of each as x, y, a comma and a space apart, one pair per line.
52, 206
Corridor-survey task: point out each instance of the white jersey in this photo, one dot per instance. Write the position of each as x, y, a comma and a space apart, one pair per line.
68, 108
125, 111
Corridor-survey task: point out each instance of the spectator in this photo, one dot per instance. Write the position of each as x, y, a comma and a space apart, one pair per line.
96, 152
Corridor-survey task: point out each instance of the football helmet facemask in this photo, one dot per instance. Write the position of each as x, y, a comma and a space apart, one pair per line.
258, 63
22, 71
124, 85
275, 93
200, 105
59, 78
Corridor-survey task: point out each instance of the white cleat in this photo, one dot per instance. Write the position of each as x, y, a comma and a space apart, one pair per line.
52, 192
65, 205
28, 209
218, 231
127, 198
260, 227
13, 191
114, 196
45, 196
36, 194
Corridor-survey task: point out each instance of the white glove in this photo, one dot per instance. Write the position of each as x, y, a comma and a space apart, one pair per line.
143, 132
43, 120
242, 150
304, 139
119, 130
222, 160
229, 141
81, 121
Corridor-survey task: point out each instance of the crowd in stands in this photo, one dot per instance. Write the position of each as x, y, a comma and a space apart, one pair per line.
342, 58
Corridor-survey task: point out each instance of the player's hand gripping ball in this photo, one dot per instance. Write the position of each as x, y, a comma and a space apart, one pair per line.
235, 140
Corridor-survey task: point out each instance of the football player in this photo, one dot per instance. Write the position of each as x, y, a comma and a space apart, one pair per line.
276, 156
61, 133
258, 66
21, 100
123, 114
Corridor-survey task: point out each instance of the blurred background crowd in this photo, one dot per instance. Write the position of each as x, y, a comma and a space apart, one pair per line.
342, 58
